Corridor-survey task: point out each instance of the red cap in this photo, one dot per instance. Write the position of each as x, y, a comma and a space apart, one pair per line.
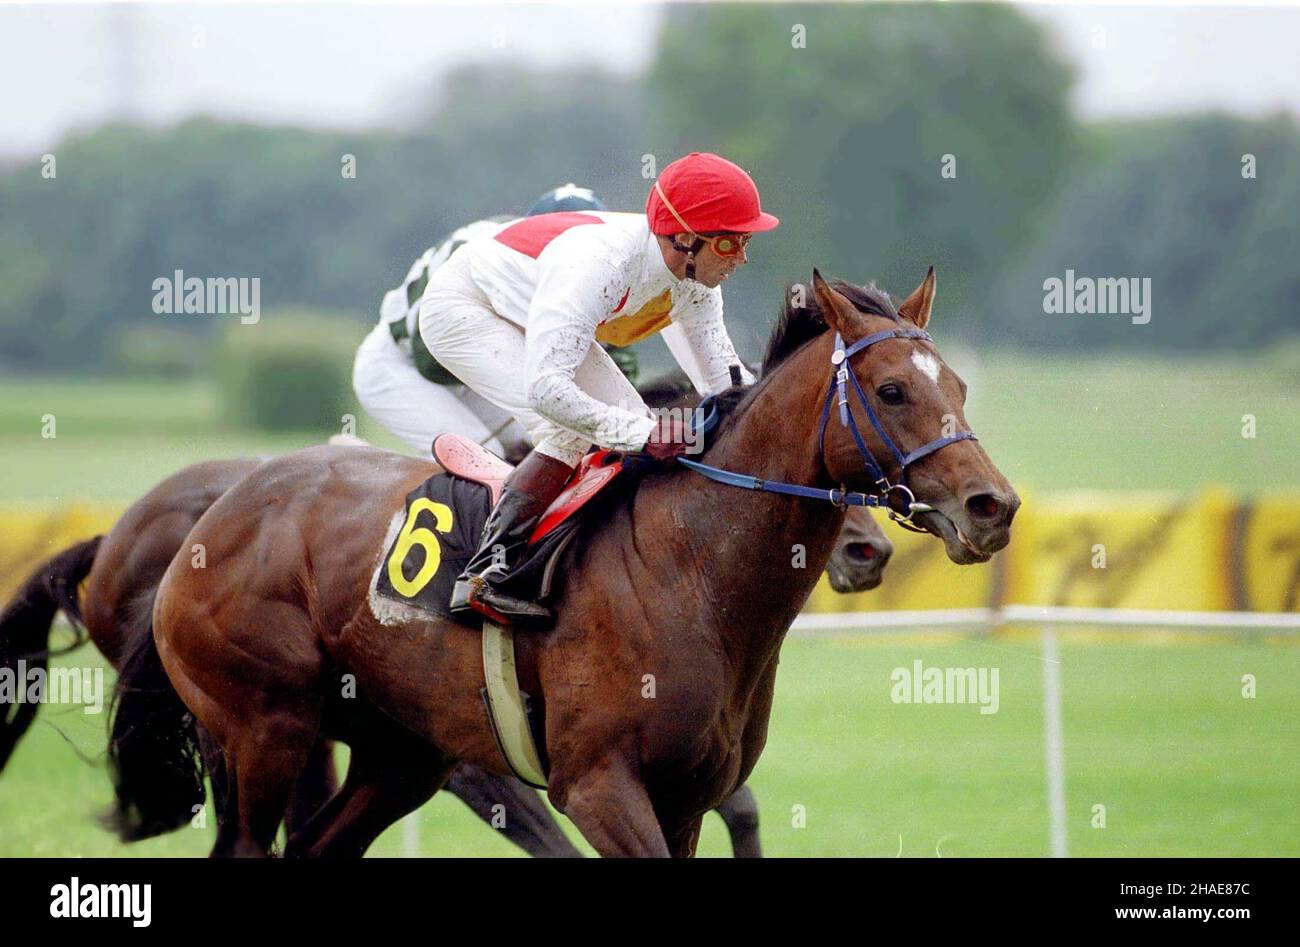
704, 192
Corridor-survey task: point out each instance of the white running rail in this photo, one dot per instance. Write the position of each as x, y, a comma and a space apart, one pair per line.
822, 622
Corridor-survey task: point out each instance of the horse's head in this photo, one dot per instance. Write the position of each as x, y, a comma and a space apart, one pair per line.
919, 436
857, 563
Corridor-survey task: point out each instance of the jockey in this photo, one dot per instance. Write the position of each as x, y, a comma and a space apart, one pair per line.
404, 388
518, 316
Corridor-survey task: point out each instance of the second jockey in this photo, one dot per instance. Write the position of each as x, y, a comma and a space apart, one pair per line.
519, 316
404, 388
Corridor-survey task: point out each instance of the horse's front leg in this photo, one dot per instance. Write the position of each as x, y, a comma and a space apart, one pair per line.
682, 840
611, 808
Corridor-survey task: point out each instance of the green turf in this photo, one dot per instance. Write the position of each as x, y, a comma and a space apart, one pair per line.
1160, 735
1126, 424
115, 439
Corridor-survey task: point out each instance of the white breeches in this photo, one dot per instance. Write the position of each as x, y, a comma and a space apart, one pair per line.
416, 410
486, 352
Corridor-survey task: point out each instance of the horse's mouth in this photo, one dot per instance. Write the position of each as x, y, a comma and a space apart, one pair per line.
959, 548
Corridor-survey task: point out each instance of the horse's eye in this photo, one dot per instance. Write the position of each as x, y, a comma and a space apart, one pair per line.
890, 394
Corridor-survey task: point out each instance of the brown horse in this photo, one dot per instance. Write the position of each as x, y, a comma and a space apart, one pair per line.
124, 569
656, 680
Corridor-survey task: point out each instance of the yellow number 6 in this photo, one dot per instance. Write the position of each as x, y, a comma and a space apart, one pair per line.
411, 535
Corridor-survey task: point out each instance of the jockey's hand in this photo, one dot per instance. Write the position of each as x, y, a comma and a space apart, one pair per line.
668, 439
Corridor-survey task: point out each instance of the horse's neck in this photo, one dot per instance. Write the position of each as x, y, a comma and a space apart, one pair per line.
759, 554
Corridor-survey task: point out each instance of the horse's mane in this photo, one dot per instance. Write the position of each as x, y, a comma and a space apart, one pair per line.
796, 326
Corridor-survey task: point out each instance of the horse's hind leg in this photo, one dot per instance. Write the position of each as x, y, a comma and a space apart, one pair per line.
264, 761
214, 766
316, 785
386, 780
265, 728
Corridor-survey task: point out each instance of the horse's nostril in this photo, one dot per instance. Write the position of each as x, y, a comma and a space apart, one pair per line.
861, 550
983, 506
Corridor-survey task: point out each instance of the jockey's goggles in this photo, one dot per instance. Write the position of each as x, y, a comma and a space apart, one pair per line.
727, 244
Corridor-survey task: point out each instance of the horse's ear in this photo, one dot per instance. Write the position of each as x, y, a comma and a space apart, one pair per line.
916, 308
839, 313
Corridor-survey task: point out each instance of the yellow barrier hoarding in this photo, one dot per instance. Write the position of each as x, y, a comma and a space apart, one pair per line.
1124, 550
31, 534
1270, 560
1104, 550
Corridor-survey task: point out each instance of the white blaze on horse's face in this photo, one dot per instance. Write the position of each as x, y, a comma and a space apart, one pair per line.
928, 364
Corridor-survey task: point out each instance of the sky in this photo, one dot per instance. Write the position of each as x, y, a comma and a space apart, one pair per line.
64, 67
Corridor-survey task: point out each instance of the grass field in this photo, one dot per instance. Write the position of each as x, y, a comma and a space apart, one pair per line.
116, 439
1159, 734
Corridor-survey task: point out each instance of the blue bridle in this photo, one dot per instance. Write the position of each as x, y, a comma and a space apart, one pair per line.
838, 392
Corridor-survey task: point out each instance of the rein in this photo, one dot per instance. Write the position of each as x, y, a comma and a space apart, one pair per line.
838, 391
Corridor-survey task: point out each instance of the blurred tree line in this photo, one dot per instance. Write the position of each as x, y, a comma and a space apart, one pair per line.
887, 138
1208, 207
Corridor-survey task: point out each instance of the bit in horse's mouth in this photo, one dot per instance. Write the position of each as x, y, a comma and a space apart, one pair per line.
943, 527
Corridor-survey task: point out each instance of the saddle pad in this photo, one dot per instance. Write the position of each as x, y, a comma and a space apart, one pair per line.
438, 528
437, 531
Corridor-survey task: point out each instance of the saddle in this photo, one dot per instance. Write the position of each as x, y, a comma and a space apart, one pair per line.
469, 460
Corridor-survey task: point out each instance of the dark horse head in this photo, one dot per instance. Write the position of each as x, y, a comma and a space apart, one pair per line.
917, 399
857, 563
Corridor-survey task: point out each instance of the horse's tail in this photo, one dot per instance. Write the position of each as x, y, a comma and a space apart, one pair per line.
153, 750
25, 628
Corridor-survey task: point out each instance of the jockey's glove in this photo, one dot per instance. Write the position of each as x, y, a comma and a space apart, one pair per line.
670, 438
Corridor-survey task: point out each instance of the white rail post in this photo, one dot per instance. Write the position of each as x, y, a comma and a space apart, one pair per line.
1054, 744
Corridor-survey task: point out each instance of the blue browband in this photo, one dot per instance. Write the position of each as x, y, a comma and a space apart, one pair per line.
838, 391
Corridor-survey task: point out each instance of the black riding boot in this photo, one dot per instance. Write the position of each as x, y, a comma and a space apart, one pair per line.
533, 486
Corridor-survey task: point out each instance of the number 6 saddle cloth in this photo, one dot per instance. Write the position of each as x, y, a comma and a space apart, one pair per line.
436, 531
